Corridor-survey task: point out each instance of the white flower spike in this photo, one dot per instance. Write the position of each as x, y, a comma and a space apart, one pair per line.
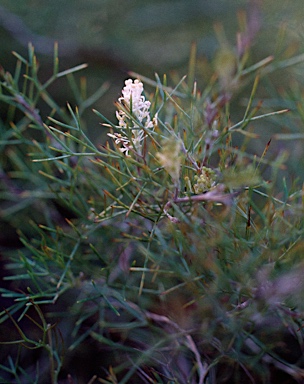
138, 107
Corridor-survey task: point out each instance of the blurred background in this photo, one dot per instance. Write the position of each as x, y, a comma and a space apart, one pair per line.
117, 36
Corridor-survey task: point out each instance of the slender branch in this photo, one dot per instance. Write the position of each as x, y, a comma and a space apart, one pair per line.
32, 112
291, 369
189, 157
216, 195
203, 368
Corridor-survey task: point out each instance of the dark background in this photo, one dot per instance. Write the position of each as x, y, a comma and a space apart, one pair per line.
114, 37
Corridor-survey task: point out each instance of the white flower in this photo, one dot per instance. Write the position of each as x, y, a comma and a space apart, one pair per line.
124, 141
134, 114
135, 102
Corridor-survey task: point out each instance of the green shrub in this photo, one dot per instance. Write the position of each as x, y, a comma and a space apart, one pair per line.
169, 253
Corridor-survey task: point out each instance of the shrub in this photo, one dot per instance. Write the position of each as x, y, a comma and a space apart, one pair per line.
169, 253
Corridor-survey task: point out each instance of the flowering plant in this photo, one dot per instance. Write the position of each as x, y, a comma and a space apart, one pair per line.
133, 117
168, 256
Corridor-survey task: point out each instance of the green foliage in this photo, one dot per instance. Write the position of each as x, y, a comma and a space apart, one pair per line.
171, 253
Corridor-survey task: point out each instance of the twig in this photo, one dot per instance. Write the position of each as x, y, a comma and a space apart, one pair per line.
189, 157
31, 111
290, 369
216, 195
203, 368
